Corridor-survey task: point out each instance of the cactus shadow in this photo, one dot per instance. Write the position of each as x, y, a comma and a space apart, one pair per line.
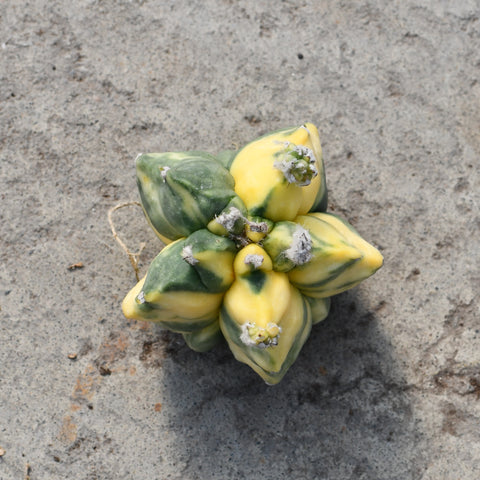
342, 411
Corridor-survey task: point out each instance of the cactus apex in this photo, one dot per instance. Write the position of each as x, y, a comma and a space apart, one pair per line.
260, 337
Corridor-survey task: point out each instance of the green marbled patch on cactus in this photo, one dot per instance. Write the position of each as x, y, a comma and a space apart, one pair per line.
169, 271
226, 157
256, 280
204, 339
182, 192
214, 255
321, 200
260, 210
320, 308
331, 275
187, 326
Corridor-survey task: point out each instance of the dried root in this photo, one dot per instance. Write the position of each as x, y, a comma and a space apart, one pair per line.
134, 257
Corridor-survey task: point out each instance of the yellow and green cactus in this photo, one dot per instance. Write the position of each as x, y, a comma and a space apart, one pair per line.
252, 256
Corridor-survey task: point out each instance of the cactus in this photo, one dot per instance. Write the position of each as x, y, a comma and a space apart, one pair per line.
252, 256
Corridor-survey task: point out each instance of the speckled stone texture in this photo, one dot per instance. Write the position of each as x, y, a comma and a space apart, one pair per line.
388, 387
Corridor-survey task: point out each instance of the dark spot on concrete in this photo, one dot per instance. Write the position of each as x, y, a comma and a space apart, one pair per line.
252, 119
381, 305
154, 352
462, 381
451, 419
104, 370
146, 350
311, 393
413, 274
85, 348
461, 313
461, 185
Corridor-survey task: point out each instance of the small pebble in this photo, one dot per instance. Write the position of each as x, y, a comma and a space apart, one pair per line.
75, 266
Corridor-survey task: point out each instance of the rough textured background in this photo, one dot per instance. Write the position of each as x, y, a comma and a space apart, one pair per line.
388, 387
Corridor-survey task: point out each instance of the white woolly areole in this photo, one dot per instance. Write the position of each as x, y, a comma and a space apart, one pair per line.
300, 250
187, 255
260, 227
245, 336
141, 297
305, 152
228, 220
247, 339
254, 260
163, 172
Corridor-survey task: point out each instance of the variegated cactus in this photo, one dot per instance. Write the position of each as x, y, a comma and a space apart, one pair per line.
251, 255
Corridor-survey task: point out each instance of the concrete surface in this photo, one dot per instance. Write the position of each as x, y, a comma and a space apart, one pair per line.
388, 387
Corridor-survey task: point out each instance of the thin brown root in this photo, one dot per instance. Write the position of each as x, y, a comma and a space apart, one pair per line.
133, 257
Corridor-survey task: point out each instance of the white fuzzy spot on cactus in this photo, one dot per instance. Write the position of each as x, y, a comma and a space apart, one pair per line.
245, 336
254, 336
260, 227
141, 297
228, 219
163, 172
187, 255
254, 260
298, 164
138, 156
306, 152
300, 250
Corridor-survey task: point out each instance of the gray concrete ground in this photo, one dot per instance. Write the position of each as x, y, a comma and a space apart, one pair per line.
388, 387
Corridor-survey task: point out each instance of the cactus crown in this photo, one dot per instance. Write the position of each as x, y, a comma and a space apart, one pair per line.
297, 164
260, 337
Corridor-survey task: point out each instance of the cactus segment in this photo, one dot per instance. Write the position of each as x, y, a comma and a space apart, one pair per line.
281, 175
273, 361
184, 285
182, 192
340, 257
